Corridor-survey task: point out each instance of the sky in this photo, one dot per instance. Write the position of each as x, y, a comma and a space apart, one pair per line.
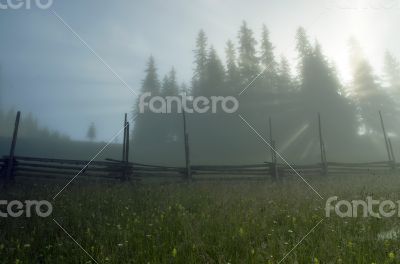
48, 71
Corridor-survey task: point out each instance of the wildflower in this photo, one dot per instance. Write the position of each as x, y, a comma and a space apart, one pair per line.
120, 244
350, 244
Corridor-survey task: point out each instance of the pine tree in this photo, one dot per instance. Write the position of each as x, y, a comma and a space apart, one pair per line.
147, 135
200, 55
91, 133
320, 92
170, 86
368, 94
285, 82
392, 72
267, 58
169, 124
151, 83
304, 51
248, 61
268, 63
232, 71
303, 46
214, 74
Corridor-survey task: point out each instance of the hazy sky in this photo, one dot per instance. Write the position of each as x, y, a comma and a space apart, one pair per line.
46, 70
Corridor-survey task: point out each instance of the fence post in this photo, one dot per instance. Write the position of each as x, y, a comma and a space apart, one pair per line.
127, 174
10, 169
187, 150
322, 148
385, 137
125, 149
127, 143
392, 154
274, 167
124, 139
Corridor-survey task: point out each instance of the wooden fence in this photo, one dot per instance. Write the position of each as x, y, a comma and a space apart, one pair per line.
48, 168
12, 166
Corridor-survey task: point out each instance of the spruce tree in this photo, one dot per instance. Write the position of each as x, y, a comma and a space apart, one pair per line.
200, 60
248, 60
170, 122
269, 67
392, 73
285, 82
267, 58
147, 136
232, 71
214, 74
367, 92
91, 133
151, 83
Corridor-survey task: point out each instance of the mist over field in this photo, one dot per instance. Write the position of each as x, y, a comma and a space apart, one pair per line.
324, 59
174, 131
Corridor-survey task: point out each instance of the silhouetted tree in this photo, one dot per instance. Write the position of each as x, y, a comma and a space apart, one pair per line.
170, 86
91, 133
232, 71
303, 46
248, 60
367, 92
170, 122
200, 60
267, 57
146, 133
285, 82
214, 74
392, 72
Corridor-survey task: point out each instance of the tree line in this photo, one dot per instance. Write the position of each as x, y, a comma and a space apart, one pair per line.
351, 124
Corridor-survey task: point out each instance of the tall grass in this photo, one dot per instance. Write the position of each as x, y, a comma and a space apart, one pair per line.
213, 222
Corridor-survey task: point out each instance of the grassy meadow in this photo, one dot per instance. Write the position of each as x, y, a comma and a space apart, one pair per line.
201, 222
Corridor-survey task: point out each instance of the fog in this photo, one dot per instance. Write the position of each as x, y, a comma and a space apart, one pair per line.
66, 69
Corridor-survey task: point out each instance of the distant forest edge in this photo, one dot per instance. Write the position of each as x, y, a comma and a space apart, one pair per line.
35, 140
351, 124
29, 127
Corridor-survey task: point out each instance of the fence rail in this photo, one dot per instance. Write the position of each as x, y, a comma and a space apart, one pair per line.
50, 168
